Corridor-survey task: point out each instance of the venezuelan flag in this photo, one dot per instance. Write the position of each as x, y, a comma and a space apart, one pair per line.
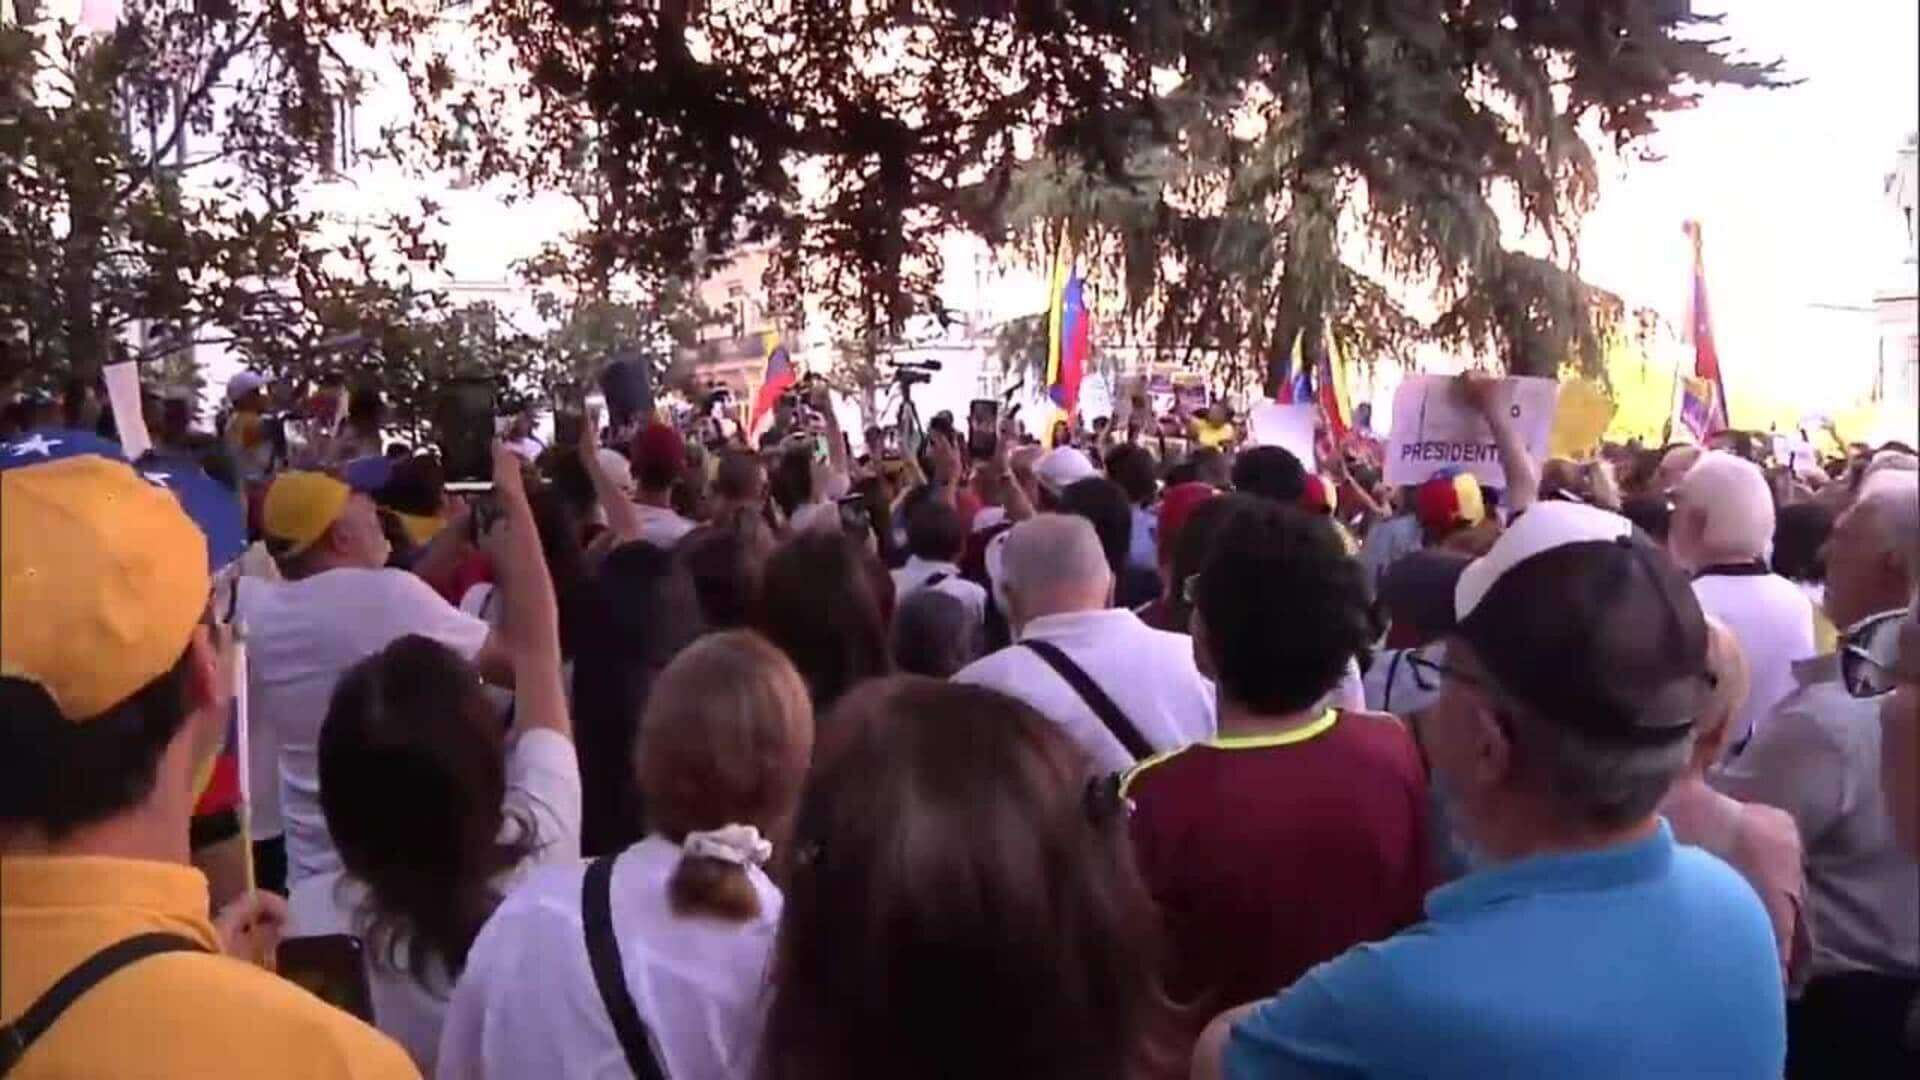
1709, 409
1333, 392
777, 379
1068, 333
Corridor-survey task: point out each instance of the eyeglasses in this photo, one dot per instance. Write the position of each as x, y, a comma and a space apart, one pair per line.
1428, 672
1869, 655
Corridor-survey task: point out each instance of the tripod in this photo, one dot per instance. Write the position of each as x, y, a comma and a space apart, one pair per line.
907, 423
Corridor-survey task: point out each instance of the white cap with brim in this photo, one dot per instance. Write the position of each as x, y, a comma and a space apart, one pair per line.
1583, 620
1543, 527
1061, 467
244, 383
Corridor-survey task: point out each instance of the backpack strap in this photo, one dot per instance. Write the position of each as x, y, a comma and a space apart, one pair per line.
17, 1037
609, 975
1115, 721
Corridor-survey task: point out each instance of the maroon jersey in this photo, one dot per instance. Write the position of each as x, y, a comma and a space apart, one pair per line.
1269, 854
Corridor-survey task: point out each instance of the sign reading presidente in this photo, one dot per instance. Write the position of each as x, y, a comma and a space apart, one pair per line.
1434, 429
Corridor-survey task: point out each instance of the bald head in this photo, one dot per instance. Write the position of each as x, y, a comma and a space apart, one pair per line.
1053, 564
1723, 512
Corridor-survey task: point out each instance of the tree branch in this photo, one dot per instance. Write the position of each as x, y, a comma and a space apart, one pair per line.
221, 58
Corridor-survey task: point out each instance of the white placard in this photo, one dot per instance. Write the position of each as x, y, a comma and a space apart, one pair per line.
1434, 429
123, 396
1289, 427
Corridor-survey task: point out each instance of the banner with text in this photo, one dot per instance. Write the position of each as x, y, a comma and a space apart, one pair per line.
1434, 429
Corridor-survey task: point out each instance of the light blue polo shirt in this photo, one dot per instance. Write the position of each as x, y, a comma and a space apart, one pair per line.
1641, 960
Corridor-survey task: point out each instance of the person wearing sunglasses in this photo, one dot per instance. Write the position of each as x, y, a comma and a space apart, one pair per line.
1900, 731
1587, 942
1818, 756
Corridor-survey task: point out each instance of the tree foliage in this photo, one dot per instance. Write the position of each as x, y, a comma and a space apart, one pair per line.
1254, 173
1316, 168
1251, 171
150, 192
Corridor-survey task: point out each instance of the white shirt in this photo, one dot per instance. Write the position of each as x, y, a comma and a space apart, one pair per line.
661, 526
987, 518
301, 637
918, 572
1773, 621
1393, 685
1149, 674
543, 793
527, 1005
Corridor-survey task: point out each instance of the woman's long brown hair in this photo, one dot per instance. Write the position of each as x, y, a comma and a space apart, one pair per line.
962, 905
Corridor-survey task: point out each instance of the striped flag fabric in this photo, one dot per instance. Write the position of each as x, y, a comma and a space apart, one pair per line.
778, 379
1069, 333
1706, 413
1333, 393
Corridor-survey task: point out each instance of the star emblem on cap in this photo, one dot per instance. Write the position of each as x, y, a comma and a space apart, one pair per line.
34, 444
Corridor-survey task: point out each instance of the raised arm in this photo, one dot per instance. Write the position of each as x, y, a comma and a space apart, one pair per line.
444, 553
530, 612
945, 457
623, 519
1482, 392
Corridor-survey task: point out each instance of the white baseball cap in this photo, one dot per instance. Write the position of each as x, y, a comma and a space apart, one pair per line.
244, 383
1061, 467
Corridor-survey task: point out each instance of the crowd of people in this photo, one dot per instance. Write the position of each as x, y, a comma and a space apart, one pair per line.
1148, 753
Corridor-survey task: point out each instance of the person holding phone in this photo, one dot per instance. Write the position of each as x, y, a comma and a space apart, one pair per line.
435, 810
338, 604
826, 463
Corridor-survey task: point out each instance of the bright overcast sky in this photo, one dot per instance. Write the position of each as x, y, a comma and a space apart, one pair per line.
1788, 184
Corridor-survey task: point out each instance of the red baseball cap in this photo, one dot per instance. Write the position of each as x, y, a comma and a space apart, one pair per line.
661, 446
1176, 506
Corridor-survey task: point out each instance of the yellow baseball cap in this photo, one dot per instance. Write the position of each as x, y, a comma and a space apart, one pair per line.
301, 507
105, 577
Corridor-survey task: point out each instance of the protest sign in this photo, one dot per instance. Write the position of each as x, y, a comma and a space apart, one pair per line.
1287, 426
1433, 428
123, 397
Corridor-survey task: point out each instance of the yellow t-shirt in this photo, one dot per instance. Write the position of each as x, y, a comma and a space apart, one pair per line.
1208, 433
173, 1015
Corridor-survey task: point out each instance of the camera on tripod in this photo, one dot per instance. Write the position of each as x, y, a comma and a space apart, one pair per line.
913, 373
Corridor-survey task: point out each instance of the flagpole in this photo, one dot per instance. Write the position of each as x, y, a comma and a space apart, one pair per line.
1056, 313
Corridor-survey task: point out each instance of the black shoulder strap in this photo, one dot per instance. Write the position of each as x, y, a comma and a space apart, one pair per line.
16, 1037
934, 580
1116, 722
603, 953
1393, 669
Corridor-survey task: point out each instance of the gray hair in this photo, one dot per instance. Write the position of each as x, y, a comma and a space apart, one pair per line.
933, 634
1053, 551
1733, 495
1602, 784
1894, 496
